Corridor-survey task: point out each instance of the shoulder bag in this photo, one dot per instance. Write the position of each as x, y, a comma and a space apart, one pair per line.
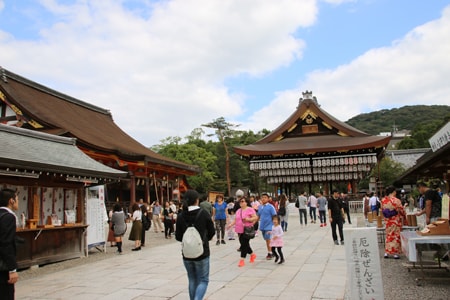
249, 231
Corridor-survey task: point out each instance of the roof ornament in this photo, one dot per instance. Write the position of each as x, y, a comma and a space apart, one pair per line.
308, 95
5, 80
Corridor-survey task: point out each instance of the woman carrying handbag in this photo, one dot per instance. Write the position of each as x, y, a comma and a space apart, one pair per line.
245, 218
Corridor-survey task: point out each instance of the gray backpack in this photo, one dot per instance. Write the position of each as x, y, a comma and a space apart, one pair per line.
192, 243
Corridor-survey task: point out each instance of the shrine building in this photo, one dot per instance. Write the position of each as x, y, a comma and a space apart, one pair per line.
313, 147
150, 176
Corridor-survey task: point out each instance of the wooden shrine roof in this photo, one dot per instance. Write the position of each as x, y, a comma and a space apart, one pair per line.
430, 165
47, 110
23, 151
312, 131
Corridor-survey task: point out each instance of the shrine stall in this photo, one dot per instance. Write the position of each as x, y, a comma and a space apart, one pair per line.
50, 175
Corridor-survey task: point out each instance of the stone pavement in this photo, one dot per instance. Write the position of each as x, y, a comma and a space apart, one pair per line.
315, 268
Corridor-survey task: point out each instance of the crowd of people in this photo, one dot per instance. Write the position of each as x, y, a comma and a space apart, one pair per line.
244, 217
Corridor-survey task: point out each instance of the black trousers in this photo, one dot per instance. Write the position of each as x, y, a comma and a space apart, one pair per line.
168, 227
6, 289
143, 236
245, 245
340, 226
347, 212
279, 254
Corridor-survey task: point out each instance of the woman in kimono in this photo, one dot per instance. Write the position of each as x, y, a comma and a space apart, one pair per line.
394, 215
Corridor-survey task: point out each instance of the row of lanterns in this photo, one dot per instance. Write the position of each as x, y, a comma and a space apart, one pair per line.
279, 164
342, 169
284, 172
308, 171
345, 160
310, 178
368, 159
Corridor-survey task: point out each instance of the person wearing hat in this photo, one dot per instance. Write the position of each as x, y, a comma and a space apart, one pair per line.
433, 203
239, 194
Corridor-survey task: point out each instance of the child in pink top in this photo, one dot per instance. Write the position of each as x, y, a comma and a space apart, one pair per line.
276, 241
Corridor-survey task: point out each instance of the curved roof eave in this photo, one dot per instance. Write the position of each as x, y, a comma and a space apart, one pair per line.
95, 129
312, 106
314, 145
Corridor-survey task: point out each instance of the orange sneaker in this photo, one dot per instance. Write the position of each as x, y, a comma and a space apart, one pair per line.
252, 258
241, 263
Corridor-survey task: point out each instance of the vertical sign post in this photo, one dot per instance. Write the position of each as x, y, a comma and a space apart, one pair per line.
363, 264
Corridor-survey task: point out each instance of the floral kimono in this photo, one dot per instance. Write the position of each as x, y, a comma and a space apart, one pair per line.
394, 214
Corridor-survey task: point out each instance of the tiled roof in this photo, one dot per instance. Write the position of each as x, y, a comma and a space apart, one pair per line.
311, 130
93, 126
313, 144
31, 150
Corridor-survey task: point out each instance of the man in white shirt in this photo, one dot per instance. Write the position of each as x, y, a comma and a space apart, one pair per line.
374, 203
301, 205
312, 208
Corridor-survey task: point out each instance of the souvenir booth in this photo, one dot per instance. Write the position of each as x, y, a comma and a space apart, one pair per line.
50, 175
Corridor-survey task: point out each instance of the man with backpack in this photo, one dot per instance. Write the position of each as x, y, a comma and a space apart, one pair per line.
194, 229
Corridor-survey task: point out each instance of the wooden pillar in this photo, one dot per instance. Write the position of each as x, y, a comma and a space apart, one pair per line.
132, 191
80, 206
147, 191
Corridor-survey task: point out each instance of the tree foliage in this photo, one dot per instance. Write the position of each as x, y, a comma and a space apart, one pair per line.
191, 153
421, 133
224, 131
404, 118
386, 172
210, 156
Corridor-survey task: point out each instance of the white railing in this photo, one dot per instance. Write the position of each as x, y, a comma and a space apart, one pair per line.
355, 205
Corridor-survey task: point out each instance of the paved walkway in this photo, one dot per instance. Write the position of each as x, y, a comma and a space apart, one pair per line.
315, 268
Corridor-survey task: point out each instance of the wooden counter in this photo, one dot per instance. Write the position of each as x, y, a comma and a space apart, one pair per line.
48, 245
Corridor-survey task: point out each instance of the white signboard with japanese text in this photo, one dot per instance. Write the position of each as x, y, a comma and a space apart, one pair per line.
363, 264
440, 138
96, 216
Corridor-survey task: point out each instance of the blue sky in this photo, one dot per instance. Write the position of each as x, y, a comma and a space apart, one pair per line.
164, 68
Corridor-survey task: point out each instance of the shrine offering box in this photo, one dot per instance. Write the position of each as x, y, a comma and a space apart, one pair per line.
439, 227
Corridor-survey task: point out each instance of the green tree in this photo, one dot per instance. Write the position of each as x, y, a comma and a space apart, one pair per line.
223, 131
210, 156
192, 154
388, 171
421, 133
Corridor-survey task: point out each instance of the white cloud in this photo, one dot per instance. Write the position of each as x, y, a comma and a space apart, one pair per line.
161, 70
413, 70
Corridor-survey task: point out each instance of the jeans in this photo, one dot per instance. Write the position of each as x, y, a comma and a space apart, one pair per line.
198, 276
220, 228
312, 213
323, 216
284, 225
302, 212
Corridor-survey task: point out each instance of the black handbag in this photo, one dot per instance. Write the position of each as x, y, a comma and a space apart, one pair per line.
249, 232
